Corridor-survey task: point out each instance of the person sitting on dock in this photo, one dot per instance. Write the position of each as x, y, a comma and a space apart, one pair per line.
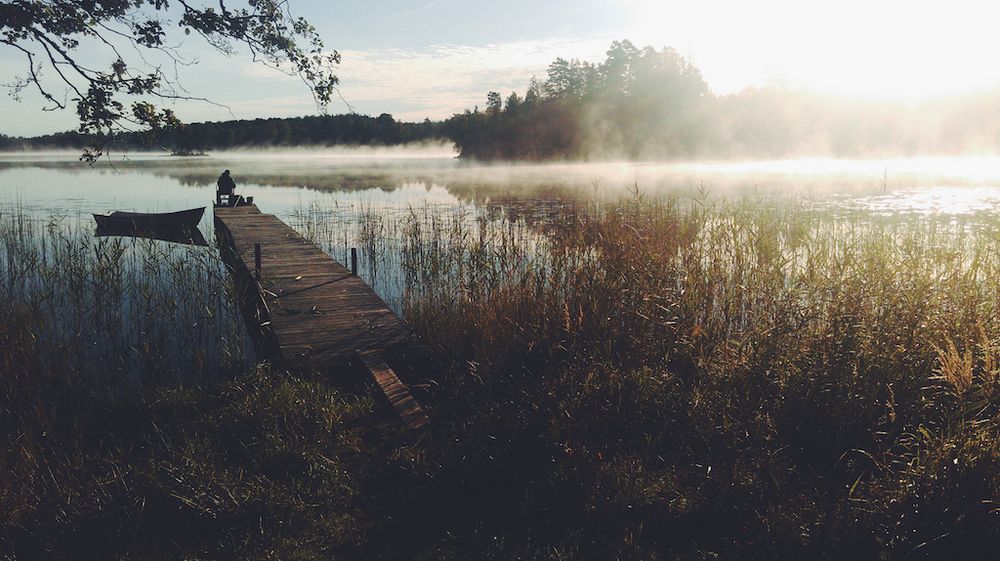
225, 186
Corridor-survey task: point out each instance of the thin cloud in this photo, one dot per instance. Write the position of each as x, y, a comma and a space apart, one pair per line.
444, 79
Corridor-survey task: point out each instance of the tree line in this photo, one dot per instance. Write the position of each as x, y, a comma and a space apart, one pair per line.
320, 130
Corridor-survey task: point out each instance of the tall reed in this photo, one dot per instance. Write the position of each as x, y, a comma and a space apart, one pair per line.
88, 316
123, 308
688, 379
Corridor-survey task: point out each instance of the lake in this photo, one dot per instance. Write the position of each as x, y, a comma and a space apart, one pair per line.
326, 191
285, 182
344, 200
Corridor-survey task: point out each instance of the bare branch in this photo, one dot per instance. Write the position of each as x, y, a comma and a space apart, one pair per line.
35, 78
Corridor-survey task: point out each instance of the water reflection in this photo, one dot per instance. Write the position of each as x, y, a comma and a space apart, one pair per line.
288, 179
182, 235
543, 195
939, 200
539, 193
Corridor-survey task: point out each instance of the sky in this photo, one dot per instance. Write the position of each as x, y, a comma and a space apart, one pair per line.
417, 59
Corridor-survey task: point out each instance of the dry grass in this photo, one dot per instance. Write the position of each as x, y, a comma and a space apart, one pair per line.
668, 379
677, 379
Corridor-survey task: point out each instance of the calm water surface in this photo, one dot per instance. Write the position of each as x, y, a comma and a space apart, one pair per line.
361, 202
338, 189
285, 182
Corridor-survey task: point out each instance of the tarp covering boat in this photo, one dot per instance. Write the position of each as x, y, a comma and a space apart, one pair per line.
180, 219
177, 227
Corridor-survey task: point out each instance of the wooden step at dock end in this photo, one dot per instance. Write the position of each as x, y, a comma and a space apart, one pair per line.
402, 401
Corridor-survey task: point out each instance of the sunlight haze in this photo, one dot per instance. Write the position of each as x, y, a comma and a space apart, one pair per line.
884, 49
433, 59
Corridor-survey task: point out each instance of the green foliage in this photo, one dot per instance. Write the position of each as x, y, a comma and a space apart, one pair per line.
268, 467
644, 104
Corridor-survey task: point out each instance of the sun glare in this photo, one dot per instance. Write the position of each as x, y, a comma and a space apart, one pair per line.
889, 49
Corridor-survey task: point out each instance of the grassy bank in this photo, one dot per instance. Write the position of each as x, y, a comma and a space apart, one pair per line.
134, 427
645, 380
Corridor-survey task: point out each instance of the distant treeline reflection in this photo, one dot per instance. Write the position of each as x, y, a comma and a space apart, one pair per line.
636, 104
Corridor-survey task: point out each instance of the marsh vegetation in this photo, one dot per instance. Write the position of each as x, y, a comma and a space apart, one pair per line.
667, 380
136, 425
657, 377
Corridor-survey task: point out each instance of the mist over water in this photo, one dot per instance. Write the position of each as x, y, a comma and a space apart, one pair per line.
283, 181
372, 202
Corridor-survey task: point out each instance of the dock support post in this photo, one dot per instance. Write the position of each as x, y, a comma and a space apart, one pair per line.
256, 260
354, 261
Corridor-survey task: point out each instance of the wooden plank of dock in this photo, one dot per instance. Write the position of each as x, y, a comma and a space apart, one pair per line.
313, 315
395, 392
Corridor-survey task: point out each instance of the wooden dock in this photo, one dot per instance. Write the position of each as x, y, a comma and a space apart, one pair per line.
306, 312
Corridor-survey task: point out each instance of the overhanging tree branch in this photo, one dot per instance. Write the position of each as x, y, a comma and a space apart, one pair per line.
267, 28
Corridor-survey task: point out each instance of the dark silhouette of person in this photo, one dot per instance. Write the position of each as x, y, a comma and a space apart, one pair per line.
226, 186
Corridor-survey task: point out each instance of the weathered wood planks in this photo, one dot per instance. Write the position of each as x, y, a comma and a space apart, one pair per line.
395, 392
307, 312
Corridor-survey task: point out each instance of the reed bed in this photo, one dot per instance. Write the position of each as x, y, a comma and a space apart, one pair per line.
403, 250
91, 320
664, 379
136, 426
125, 309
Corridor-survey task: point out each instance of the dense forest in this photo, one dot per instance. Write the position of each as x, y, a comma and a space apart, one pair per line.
636, 104
320, 130
633, 100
